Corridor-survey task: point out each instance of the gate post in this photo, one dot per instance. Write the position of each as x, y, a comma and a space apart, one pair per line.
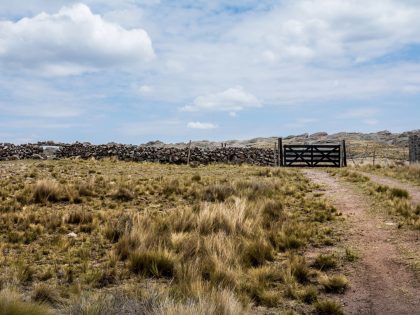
280, 151
344, 154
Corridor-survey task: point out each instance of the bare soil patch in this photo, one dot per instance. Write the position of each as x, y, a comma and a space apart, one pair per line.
381, 283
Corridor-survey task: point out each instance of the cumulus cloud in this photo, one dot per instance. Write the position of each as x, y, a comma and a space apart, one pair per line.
231, 100
201, 125
330, 31
70, 42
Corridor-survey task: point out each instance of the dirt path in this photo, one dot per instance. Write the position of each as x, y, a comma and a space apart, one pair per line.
391, 182
380, 282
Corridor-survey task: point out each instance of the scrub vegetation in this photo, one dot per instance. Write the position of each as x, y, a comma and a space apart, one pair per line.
96, 237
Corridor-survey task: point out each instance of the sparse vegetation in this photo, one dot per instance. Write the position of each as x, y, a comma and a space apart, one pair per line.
407, 173
395, 200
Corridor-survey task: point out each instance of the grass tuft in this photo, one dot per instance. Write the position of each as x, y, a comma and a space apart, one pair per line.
11, 304
152, 263
398, 193
43, 293
334, 284
328, 307
45, 190
325, 261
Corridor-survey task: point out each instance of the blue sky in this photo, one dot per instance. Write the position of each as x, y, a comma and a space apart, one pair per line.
132, 71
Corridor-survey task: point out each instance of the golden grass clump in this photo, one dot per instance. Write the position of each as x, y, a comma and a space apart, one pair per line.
328, 307
154, 263
45, 294
11, 304
325, 261
45, 190
334, 284
223, 302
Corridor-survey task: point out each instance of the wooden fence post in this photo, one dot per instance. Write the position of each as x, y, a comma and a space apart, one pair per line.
275, 154
280, 150
344, 154
374, 156
189, 152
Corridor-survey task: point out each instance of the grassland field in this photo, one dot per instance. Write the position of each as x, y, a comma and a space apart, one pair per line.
110, 237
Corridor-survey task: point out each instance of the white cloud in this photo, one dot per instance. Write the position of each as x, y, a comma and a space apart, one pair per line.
201, 125
231, 100
145, 89
70, 42
330, 31
366, 112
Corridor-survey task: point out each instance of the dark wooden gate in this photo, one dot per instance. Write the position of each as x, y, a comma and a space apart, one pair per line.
312, 155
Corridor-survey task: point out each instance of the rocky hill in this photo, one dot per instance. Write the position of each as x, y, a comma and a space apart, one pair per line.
382, 138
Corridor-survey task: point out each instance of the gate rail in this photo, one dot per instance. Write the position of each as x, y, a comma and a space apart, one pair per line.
312, 155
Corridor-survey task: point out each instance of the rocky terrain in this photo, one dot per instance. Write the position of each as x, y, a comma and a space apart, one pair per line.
382, 137
258, 151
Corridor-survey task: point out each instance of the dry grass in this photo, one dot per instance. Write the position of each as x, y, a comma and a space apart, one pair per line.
12, 304
328, 307
395, 200
407, 173
207, 240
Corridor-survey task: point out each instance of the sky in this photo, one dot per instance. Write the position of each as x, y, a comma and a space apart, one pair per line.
133, 71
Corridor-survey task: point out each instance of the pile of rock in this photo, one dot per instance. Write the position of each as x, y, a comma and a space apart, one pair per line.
9, 151
123, 152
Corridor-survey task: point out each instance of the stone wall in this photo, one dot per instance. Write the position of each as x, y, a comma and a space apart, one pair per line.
232, 155
414, 148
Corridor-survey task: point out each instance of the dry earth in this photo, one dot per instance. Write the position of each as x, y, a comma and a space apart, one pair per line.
381, 282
